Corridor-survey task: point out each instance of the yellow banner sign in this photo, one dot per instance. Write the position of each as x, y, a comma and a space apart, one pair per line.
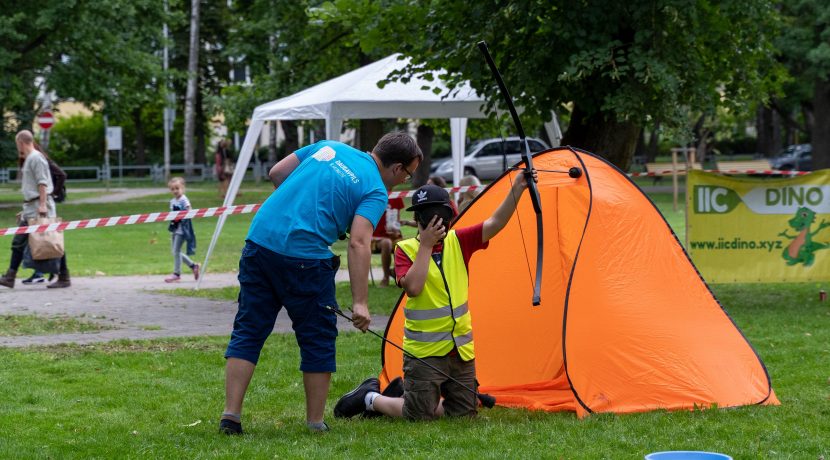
759, 230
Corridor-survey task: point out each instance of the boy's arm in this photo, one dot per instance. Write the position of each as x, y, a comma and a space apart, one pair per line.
413, 281
498, 220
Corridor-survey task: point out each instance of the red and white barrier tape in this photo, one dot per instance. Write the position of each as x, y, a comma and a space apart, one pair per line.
764, 172
249, 208
464, 188
167, 216
134, 219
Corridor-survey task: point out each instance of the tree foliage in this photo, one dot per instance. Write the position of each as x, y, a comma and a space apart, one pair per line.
286, 50
805, 51
100, 53
615, 64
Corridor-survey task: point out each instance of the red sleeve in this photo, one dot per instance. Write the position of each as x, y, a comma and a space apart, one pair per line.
380, 228
402, 264
470, 239
396, 203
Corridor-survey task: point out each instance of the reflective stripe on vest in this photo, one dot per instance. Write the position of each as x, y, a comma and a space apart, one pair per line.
431, 326
436, 313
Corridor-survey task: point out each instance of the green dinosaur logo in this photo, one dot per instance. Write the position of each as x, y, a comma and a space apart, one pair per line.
802, 247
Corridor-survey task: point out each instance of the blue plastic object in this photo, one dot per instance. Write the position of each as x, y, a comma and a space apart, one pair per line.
686, 455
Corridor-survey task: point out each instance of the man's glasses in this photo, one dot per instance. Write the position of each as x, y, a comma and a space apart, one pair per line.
408, 174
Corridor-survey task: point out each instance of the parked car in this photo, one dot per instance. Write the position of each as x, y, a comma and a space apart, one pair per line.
488, 158
797, 157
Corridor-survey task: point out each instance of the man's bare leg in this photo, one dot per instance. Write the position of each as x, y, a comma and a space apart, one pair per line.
316, 391
238, 373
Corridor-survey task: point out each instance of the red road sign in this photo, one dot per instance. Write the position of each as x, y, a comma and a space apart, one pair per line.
46, 120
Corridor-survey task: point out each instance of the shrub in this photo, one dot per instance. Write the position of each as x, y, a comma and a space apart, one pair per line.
78, 140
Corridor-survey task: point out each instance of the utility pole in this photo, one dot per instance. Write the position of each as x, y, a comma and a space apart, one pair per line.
168, 119
192, 88
106, 154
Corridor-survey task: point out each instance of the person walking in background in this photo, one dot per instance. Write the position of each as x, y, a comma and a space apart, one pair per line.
182, 232
223, 164
322, 191
36, 186
38, 276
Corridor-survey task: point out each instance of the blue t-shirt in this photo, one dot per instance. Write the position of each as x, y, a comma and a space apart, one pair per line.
318, 201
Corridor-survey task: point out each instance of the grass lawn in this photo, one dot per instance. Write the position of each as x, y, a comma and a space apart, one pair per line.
15, 325
161, 399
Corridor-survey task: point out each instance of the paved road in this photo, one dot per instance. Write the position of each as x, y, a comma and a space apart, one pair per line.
131, 306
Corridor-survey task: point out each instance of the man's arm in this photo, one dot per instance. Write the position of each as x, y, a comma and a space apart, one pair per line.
41, 208
498, 220
360, 257
283, 168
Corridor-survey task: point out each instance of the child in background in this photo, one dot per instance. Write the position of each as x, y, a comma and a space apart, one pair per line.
386, 234
182, 231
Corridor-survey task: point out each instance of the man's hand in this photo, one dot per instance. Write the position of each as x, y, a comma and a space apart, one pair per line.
41, 209
434, 232
361, 317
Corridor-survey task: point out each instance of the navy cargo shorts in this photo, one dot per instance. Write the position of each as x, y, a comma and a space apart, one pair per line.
269, 281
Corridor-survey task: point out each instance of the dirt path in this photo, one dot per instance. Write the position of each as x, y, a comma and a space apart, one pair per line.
129, 305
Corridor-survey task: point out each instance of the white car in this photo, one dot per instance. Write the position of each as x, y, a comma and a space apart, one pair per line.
488, 158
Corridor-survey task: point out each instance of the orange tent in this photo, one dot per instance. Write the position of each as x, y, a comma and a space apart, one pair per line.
626, 322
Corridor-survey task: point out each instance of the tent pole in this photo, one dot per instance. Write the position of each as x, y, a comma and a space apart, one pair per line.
458, 131
241, 167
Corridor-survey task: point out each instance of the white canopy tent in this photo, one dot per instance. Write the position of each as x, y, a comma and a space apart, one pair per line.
356, 95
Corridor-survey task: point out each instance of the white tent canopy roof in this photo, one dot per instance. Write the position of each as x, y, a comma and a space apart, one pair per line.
356, 95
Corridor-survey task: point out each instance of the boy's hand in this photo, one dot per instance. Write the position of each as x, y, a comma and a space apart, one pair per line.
434, 232
521, 180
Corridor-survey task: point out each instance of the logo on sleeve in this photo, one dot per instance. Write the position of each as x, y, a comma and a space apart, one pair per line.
324, 154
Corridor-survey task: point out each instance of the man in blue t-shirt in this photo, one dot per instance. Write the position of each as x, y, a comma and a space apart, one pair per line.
322, 192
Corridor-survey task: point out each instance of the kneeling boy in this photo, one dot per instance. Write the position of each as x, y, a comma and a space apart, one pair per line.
432, 269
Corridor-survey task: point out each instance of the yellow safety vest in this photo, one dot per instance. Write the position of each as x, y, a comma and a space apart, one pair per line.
438, 319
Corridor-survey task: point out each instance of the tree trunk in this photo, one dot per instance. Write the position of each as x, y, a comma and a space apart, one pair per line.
769, 131
192, 86
809, 119
272, 142
200, 150
140, 149
603, 135
371, 130
289, 128
653, 147
424, 138
821, 125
